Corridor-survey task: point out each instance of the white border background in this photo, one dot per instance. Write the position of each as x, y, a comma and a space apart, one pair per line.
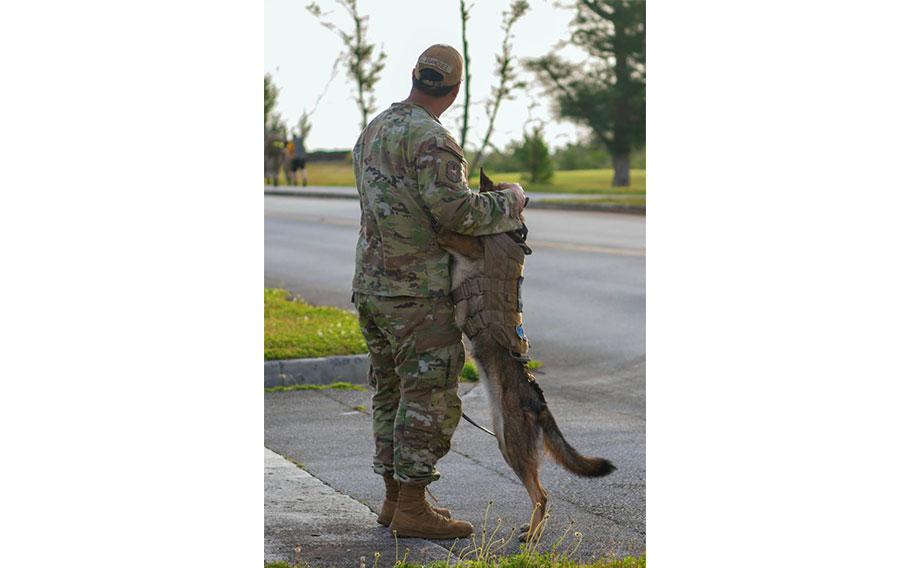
131, 231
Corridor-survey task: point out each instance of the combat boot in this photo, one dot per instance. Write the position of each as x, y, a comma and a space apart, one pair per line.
415, 518
391, 502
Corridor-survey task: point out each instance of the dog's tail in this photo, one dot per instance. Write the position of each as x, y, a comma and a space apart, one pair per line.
567, 456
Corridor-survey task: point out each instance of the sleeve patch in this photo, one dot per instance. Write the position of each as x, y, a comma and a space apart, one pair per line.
453, 171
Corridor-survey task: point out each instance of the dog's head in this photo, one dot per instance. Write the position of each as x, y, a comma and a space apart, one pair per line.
519, 235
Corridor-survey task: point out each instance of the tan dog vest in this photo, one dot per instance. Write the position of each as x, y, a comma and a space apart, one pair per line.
494, 298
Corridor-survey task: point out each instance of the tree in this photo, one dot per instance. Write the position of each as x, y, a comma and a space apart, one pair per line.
505, 71
270, 97
607, 92
303, 128
363, 65
466, 87
275, 132
273, 121
534, 156
304, 124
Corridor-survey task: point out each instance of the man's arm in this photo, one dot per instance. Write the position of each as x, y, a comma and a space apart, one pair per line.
442, 185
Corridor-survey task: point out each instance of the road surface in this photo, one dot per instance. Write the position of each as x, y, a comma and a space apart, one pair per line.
584, 299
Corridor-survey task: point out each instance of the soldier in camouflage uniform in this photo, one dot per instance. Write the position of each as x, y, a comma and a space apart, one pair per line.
410, 175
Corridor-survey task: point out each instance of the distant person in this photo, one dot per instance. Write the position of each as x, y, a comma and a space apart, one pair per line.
298, 162
286, 159
410, 174
274, 156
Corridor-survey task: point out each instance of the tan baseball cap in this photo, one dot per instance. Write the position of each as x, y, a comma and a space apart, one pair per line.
443, 59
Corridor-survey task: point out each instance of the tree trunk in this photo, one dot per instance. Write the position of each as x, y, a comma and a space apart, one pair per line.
620, 170
467, 75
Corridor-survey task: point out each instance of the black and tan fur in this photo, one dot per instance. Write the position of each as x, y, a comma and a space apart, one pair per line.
521, 419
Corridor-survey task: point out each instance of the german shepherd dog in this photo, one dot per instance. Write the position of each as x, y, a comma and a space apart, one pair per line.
521, 418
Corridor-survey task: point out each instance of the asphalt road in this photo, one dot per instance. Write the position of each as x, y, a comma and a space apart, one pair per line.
584, 296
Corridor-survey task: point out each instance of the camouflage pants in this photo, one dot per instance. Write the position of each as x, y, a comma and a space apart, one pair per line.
416, 356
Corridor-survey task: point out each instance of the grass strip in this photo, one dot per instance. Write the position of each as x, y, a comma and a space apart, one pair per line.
331, 386
596, 181
297, 330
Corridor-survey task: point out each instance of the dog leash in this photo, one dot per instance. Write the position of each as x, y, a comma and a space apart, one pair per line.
468, 418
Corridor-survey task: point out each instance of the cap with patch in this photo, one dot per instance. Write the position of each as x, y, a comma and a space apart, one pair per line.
439, 66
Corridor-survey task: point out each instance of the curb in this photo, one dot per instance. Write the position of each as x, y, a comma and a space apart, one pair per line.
329, 527
606, 207
320, 371
550, 204
320, 194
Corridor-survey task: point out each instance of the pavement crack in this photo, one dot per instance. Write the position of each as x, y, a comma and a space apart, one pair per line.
558, 494
487, 467
344, 403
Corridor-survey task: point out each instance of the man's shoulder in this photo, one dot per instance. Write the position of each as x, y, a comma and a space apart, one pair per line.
432, 136
415, 128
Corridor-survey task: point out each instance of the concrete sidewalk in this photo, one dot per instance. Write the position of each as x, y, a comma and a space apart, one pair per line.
331, 529
329, 431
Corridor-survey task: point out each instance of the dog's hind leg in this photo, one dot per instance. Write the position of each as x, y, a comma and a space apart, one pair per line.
538, 495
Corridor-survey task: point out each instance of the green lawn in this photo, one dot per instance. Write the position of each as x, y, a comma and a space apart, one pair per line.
330, 173
572, 181
295, 329
569, 181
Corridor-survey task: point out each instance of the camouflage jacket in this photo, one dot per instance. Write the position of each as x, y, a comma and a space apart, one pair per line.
410, 175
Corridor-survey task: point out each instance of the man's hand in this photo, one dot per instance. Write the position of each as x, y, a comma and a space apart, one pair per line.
520, 198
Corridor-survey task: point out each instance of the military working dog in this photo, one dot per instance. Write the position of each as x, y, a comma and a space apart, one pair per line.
486, 289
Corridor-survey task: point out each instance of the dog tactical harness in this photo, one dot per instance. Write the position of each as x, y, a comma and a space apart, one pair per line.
494, 297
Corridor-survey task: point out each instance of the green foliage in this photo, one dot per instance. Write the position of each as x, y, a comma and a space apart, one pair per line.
270, 97
582, 156
534, 156
274, 125
342, 155
497, 160
592, 155
295, 329
607, 91
332, 386
469, 372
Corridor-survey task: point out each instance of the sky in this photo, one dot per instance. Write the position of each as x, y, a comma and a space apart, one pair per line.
299, 54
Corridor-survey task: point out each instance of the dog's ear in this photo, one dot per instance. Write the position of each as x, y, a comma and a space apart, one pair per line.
486, 184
